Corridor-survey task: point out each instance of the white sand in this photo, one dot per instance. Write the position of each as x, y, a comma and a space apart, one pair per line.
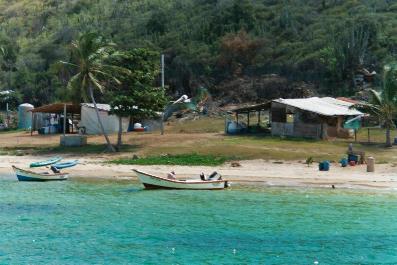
257, 172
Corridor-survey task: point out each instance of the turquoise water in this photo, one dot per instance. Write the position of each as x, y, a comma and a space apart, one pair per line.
119, 223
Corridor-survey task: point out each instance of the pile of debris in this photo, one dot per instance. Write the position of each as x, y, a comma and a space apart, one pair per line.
258, 89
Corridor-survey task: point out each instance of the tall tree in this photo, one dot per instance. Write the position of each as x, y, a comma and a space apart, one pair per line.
136, 96
89, 54
383, 105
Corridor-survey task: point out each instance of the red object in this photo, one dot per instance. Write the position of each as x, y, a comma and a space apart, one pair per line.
352, 163
139, 130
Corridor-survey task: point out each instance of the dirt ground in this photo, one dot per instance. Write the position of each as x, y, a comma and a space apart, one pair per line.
251, 172
264, 161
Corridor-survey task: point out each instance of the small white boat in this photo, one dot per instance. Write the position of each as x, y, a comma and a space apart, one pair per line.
155, 182
27, 175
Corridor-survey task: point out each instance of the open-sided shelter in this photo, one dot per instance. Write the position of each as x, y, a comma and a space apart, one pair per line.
82, 117
248, 119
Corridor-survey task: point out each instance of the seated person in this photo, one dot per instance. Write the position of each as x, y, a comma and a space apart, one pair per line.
202, 177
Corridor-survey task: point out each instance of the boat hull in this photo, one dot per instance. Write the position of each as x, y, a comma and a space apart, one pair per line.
25, 175
46, 162
67, 164
154, 182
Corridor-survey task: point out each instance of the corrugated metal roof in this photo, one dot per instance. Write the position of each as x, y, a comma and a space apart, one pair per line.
104, 107
326, 106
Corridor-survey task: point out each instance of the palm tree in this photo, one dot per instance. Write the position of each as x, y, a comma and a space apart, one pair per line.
383, 105
90, 53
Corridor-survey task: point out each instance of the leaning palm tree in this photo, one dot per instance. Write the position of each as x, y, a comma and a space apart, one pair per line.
383, 104
90, 53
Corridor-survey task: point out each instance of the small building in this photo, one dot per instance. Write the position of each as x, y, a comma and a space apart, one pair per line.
80, 118
314, 117
110, 122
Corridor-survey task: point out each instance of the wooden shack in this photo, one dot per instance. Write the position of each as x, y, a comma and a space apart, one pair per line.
314, 117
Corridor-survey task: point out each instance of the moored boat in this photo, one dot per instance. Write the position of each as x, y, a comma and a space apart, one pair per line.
66, 164
27, 175
155, 182
46, 162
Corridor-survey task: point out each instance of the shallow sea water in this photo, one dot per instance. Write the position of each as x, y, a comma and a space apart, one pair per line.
77, 222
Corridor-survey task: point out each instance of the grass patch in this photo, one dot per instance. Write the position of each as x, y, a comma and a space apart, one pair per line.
87, 149
182, 160
82, 150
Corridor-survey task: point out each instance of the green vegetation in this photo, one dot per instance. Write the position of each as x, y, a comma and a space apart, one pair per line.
205, 42
134, 96
182, 160
383, 106
214, 145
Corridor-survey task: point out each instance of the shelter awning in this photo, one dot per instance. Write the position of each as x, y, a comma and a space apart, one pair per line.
58, 108
252, 108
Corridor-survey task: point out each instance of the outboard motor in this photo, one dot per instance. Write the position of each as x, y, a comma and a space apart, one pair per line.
55, 170
214, 176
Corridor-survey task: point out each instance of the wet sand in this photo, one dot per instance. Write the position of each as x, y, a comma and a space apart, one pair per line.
251, 172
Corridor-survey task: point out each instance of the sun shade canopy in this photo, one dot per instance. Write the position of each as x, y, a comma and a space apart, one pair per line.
58, 108
252, 108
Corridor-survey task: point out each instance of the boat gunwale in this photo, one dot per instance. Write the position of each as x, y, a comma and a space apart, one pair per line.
40, 174
181, 181
47, 162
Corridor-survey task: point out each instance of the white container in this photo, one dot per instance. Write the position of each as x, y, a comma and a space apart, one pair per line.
137, 126
370, 164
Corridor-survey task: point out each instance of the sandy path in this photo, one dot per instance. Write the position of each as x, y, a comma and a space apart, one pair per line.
258, 172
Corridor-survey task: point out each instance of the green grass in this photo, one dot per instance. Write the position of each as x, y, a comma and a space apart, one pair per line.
11, 130
182, 160
83, 150
201, 125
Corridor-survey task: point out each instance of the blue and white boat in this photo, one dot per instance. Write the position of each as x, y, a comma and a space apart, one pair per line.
46, 162
27, 175
66, 164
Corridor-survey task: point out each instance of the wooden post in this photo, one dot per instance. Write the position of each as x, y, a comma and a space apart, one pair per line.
31, 126
162, 124
226, 131
248, 121
369, 136
259, 118
355, 135
64, 119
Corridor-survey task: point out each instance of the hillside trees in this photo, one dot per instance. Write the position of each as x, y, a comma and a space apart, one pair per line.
321, 42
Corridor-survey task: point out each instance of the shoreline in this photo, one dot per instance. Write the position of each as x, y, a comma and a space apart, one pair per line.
289, 174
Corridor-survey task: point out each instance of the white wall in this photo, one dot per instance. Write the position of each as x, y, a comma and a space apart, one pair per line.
110, 122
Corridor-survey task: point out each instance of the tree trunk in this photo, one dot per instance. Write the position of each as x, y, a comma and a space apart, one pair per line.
388, 138
109, 144
120, 133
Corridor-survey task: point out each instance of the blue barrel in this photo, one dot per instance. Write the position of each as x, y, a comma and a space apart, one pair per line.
352, 157
324, 166
344, 162
395, 141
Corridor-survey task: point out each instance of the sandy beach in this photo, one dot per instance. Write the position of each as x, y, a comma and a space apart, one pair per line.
251, 172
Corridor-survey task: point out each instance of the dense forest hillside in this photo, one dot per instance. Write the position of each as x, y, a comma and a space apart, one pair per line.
206, 42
